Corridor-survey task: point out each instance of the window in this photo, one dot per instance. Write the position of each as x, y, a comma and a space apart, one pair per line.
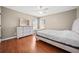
42, 24
35, 24
38, 24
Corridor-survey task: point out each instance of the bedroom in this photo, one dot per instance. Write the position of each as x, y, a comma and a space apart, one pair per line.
17, 20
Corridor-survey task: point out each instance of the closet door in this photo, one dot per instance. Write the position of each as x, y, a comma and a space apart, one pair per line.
19, 32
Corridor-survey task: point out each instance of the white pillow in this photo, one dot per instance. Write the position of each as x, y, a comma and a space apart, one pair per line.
75, 26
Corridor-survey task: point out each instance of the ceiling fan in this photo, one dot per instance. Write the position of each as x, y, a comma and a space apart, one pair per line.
41, 9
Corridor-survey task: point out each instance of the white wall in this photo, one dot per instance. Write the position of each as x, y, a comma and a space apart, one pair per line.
78, 12
62, 20
10, 20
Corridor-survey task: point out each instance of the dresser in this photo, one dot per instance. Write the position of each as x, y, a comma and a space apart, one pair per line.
24, 31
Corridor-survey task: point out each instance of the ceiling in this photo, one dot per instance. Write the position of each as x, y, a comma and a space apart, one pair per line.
40, 11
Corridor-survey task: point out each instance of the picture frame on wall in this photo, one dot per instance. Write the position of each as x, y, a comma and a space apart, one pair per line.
24, 22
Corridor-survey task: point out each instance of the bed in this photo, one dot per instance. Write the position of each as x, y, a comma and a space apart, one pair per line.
64, 39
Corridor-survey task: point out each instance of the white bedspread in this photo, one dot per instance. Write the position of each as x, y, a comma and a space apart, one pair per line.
66, 36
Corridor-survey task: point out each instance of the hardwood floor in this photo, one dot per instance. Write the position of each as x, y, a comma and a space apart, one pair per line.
28, 45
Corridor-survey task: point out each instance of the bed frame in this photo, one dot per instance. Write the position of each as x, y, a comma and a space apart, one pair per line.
58, 44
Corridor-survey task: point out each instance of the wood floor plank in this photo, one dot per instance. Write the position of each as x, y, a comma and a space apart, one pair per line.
28, 45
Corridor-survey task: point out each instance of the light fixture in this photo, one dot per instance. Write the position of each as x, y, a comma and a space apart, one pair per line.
41, 9
40, 12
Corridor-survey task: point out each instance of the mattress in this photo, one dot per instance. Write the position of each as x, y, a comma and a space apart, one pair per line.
68, 37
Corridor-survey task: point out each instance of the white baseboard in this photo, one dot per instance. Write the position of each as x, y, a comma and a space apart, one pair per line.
8, 38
